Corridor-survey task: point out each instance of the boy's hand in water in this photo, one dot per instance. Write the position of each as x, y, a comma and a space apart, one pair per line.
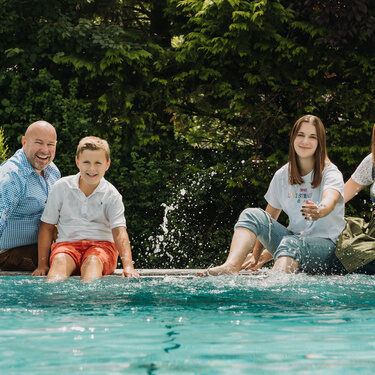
40, 271
130, 272
252, 264
311, 211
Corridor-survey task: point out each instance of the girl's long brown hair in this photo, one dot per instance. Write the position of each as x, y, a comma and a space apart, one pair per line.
320, 155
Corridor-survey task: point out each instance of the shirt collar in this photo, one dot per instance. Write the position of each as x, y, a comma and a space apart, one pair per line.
49, 169
28, 167
99, 189
24, 161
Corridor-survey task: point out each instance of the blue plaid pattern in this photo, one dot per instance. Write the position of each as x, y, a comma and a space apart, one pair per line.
23, 196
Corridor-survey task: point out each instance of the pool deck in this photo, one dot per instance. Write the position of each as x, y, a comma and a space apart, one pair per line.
160, 272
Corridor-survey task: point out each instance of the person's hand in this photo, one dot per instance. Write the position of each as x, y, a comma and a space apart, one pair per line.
130, 272
252, 264
249, 262
41, 271
311, 211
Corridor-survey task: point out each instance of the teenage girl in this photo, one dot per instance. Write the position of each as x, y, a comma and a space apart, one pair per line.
309, 189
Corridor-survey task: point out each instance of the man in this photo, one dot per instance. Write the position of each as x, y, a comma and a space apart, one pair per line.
25, 181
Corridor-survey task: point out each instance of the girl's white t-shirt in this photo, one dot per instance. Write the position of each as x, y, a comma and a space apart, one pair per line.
291, 198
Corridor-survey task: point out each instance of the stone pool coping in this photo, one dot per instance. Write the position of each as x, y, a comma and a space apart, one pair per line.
161, 272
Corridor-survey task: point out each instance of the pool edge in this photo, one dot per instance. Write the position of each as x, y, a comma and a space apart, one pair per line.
159, 272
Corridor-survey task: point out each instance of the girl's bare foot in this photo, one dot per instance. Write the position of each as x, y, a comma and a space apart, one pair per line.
224, 269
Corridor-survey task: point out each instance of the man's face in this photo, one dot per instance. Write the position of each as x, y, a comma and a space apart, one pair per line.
39, 146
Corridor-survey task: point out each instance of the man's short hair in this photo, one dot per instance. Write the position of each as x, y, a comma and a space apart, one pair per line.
93, 143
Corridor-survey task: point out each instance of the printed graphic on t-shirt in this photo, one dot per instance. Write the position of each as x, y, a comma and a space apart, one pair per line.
302, 196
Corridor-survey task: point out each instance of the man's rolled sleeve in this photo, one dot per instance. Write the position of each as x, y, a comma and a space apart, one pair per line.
10, 195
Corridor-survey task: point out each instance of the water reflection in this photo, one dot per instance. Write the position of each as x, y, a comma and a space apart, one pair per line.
171, 341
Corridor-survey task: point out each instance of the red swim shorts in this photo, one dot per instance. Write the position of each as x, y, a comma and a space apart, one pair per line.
79, 250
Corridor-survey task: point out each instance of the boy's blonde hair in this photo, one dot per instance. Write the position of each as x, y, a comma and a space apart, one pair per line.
93, 143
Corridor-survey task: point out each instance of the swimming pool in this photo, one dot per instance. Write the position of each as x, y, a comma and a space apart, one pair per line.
260, 324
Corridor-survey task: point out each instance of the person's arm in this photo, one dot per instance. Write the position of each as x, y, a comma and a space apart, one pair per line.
361, 178
260, 256
45, 237
351, 188
121, 238
11, 187
47, 230
313, 211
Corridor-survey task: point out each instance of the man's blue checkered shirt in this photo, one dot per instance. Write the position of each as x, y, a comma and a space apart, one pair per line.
23, 196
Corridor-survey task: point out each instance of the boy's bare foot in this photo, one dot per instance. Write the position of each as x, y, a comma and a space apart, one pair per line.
224, 269
55, 279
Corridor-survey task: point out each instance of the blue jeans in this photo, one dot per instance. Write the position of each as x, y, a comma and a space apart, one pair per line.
313, 254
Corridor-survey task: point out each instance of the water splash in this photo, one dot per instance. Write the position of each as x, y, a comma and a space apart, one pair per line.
194, 217
308, 228
164, 226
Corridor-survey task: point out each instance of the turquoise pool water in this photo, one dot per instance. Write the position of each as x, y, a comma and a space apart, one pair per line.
261, 324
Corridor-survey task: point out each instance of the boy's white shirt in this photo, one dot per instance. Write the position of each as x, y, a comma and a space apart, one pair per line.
84, 218
290, 198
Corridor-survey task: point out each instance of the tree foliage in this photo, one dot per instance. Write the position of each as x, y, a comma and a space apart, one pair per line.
251, 68
3, 147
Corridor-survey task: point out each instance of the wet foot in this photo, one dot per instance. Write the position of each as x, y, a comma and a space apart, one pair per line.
224, 269
55, 279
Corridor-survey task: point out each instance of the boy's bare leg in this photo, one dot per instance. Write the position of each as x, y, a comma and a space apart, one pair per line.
92, 268
61, 268
243, 242
285, 264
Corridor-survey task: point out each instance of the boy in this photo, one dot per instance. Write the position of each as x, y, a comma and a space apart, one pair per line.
89, 213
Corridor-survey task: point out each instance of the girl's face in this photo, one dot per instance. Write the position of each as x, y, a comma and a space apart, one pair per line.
306, 141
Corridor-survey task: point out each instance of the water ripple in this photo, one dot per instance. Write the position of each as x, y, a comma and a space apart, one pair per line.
257, 324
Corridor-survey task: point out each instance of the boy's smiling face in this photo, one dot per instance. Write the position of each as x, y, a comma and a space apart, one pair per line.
92, 164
